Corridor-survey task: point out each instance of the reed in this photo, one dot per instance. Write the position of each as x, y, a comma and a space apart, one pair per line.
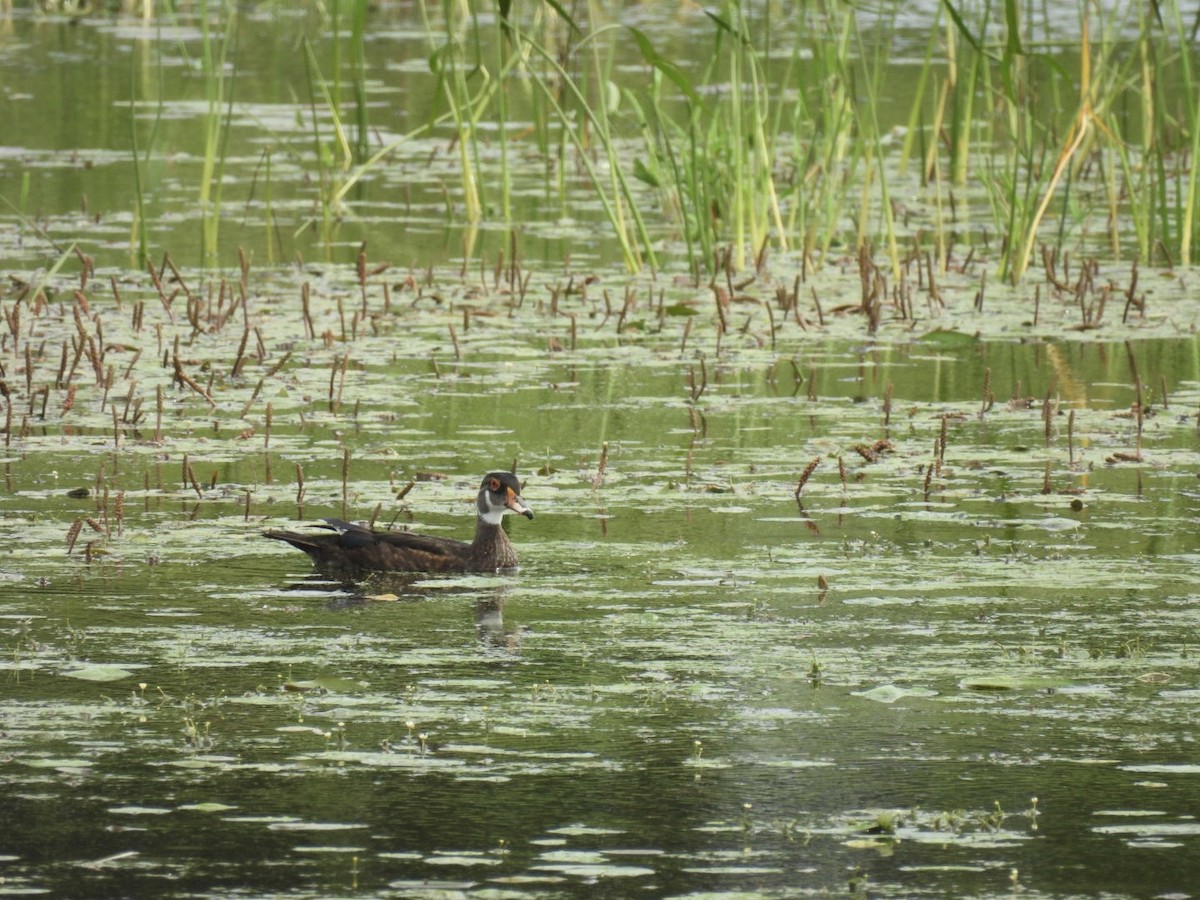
139, 237
613, 192
219, 94
760, 148
447, 62
1111, 151
875, 65
713, 161
1189, 225
358, 71
754, 203
332, 154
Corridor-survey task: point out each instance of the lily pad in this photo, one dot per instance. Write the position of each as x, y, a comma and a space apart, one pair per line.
98, 673
946, 338
890, 693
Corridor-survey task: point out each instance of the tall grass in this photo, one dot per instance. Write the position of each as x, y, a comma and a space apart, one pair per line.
331, 151
1129, 117
1176, 106
215, 52
580, 118
358, 71
139, 237
752, 158
745, 149
572, 81
875, 65
448, 62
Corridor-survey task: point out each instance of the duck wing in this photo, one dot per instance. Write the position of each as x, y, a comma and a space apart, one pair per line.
354, 546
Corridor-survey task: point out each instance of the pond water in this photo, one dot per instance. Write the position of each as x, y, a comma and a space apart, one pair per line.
956, 658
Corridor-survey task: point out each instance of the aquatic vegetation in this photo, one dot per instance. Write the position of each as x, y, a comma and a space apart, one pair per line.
856, 538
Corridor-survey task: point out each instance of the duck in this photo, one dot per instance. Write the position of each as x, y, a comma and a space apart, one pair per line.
358, 548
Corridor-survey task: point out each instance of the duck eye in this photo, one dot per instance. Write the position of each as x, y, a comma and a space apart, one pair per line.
494, 484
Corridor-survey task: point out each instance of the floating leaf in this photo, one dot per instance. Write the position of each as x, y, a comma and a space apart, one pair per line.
56, 763
945, 338
99, 673
890, 693
314, 826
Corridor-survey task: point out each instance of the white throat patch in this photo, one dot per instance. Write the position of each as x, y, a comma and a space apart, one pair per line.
493, 516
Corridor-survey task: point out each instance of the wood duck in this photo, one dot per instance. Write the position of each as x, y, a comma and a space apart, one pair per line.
358, 548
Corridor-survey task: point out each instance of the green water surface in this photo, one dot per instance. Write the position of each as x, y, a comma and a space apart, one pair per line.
959, 662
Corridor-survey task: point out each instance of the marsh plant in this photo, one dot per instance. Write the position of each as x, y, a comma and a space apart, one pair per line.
839, 519
780, 145
1012, 135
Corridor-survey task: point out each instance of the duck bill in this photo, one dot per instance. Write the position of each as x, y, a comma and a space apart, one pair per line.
517, 505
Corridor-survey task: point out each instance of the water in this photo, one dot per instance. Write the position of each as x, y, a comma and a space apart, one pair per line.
959, 664
664, 699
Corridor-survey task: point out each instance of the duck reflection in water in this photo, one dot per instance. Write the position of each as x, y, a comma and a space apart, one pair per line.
391, 587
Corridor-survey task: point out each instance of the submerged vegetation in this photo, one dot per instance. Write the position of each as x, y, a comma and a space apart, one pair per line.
849, 355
